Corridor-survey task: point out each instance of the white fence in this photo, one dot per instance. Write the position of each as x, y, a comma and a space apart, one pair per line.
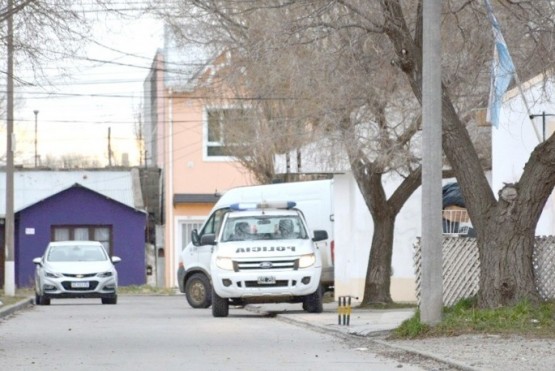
461, 268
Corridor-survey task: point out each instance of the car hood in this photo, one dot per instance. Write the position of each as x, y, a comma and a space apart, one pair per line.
79, 267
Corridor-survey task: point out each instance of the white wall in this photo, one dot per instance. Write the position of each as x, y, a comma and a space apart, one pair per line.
353, 238
515, 139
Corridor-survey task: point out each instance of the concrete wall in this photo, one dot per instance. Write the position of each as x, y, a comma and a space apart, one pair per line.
353, 238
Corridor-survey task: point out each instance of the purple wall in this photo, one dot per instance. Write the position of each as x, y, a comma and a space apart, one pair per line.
81, 206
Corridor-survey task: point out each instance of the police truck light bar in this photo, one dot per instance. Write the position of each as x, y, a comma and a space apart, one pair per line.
263, 205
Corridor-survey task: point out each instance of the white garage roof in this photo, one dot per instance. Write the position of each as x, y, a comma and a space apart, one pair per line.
32, 186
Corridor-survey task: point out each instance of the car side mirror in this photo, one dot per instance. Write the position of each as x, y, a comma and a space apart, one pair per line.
37, 261
195, 238
116, 259
320, 235
208, 239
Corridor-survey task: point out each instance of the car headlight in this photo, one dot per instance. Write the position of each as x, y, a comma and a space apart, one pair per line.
52, 274
105, 274
307, 260
224, 263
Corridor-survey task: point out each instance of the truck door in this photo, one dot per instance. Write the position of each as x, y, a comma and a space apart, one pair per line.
212, 226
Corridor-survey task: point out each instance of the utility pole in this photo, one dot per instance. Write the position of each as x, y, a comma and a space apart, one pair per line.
9, 271
109, 148
36, 112
431, 299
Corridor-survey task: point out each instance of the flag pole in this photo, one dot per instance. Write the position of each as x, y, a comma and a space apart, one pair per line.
518, 84
503, 66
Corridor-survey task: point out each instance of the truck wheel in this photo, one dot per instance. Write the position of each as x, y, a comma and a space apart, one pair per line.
198, 291
220, 306
313, 303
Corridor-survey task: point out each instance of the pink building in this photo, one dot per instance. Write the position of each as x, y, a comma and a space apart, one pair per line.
184, 137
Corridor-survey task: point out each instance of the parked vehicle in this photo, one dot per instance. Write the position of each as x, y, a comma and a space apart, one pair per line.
75, 269
312, 198
263, 253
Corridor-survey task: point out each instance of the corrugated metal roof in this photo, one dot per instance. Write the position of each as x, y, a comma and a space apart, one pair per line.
32, 186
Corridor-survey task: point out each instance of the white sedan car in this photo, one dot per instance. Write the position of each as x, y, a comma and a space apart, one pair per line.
75, 269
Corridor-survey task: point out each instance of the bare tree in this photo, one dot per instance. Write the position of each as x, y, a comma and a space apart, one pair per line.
361, 78
70, 161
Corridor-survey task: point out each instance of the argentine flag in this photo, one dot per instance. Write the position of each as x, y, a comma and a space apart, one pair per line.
502, 70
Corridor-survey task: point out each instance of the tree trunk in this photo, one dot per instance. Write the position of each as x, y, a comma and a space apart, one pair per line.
505, 229
507, 275
378, 276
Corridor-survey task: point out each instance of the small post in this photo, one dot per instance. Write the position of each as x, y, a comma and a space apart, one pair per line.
344, 310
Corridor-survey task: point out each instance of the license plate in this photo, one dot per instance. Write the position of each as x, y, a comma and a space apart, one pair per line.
266, 280
80, 285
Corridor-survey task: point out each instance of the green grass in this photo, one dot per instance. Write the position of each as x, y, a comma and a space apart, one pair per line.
524, 319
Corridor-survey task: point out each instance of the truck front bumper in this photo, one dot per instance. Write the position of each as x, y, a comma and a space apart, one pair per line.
266, 283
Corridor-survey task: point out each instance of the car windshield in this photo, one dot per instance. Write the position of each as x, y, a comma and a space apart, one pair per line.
72, 253
265, 227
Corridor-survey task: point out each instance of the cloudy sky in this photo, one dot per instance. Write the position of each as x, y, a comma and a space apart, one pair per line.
102, 95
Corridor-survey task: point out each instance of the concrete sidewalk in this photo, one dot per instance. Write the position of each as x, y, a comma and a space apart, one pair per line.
372, 324
6, 310
361, 322
470, 352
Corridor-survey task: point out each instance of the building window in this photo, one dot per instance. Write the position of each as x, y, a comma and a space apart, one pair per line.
220, 122
102, 234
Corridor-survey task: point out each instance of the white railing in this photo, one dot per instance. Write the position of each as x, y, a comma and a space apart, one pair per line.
456, 222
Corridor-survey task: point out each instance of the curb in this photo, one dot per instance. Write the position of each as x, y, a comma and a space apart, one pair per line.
11, 309
447, 361
372, 336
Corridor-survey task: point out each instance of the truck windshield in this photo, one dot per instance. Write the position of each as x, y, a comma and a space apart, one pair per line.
264, 227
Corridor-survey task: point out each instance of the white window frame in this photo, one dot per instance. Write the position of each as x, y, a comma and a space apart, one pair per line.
205, 142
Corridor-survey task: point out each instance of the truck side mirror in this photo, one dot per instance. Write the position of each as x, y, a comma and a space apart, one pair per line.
194, 237
320, 235
208, 239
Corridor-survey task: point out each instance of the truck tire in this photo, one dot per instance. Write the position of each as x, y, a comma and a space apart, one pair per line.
220, 306
313, 303
198, 291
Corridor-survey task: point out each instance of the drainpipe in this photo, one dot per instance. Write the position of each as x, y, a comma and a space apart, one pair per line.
170, 253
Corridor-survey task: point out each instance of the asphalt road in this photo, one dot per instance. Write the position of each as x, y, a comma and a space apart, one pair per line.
164, 333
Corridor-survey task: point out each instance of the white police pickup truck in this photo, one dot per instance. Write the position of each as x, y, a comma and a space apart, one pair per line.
263, 253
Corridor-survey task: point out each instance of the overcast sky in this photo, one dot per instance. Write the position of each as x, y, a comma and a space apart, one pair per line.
100, 95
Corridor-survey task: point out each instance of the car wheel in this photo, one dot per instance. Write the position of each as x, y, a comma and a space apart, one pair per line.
110, 300
198, 291
220, 306
313, 303
41, 300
